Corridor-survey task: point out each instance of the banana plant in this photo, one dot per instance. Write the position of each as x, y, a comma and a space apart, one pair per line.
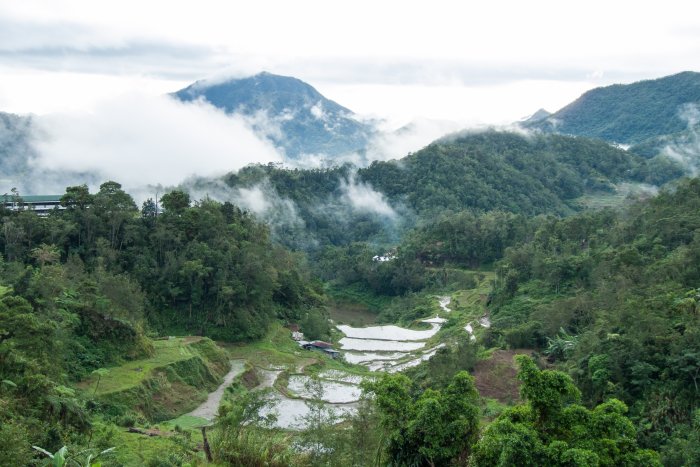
60, 458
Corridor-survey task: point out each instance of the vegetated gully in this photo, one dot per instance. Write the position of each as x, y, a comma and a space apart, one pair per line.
379, 348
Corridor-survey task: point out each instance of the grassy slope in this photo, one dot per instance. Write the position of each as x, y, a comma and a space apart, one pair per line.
468, 305
173, 381
134, 372
495, 372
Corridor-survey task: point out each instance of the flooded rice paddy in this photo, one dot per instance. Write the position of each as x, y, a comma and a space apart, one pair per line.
386, 348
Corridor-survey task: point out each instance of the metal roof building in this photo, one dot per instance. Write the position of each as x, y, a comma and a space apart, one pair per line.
40, 204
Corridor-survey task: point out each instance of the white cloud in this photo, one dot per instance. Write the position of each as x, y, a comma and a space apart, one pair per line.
362, 197
317, 111
254, 199
503, 29
458, 44
281, 214
140, 140
264, 124
685, 148
410, 138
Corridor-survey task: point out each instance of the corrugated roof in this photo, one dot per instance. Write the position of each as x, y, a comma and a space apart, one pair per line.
36, 198
321, 344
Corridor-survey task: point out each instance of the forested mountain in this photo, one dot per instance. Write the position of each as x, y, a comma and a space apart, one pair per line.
628, 113
288, 111
502, 170
481, 171
683, 147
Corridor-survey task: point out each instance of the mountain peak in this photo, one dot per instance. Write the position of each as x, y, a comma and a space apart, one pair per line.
541, 114
287, 111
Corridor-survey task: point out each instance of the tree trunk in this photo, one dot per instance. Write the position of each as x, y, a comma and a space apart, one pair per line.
207, 449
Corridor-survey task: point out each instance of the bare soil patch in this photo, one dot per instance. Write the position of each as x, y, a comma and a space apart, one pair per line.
495, 377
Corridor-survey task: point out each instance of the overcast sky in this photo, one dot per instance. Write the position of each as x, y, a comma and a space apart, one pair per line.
477, 61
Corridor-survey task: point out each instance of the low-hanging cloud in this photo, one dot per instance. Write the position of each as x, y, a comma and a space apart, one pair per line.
362, 197
262, 199
140, 140
409, 138
685, 148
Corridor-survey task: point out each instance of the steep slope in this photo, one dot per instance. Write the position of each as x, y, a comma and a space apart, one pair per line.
541, 114
501, 170
629, 113
288, 111
483, 171
683, 146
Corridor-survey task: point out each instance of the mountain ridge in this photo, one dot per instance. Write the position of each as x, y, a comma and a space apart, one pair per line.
628, 113
288, 111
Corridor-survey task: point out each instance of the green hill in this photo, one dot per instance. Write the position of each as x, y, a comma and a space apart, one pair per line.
508, 171
628, 113
480, 171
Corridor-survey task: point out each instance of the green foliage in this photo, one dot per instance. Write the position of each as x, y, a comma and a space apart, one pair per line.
310, 209
314, 324
447, 361
61, 458
465, 238
479, 172
82, 285
242, 436
561, 346
209, 268
14, 446
552, 429
629, 113
176, 201
546, 392
433, 427
615, 297
158, 388
503, 171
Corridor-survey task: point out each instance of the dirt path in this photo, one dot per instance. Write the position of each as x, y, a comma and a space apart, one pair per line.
210, 407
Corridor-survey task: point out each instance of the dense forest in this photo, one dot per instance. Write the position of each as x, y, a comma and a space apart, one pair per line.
193, 265
309, 209
605, 301
84, 287
629, 113
609, 297
525, 174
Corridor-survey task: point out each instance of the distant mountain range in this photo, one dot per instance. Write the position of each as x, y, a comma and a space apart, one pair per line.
287, 111
628, 113
656, 116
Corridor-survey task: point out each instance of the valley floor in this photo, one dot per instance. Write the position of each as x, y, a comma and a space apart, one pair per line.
186, 379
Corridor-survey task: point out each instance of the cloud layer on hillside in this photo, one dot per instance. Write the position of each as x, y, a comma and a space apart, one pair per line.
140, 140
